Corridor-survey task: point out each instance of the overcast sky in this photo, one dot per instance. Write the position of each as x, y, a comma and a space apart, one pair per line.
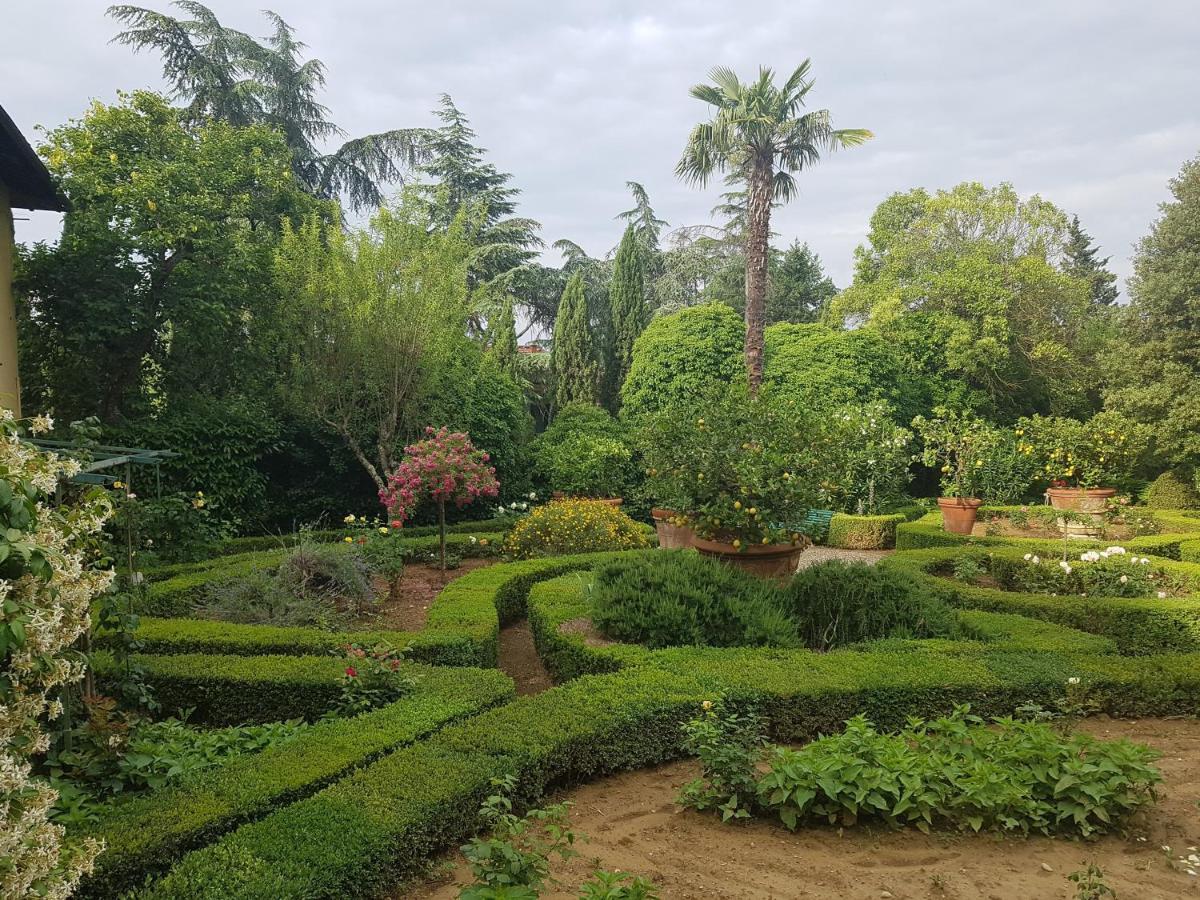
1093, 105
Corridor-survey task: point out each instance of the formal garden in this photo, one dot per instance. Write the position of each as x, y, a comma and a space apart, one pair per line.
734, 585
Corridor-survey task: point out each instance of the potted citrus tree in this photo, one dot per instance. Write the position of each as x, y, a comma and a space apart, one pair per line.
957, 444
584, 454
742, 470
1084, 463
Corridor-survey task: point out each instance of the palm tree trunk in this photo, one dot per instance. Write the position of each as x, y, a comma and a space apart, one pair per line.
758, 230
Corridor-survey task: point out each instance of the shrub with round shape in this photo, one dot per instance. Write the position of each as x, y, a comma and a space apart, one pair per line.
584, 453
1171, 490
836, 603
574, 526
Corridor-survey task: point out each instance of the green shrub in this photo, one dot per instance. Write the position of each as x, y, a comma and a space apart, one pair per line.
584, 454
863, 532
1104, 451
677, 597
836, 603
574, 526
1007, 776
1171, 490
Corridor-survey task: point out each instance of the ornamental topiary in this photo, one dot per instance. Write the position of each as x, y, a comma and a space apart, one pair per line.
444, 467
574, 526
1171, 490
584, 454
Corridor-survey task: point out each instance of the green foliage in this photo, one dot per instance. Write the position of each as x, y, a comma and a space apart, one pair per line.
729, 747
964, 283
1152, 371
373, 677
799, 289
165, 256
961, 446
573, 362
676, 597
226, 75
517, 852
681, 358
973, 775
863, 532
1104, 451
865, 458
1171, 490
617, 886
824, 368
835, 603
503, 344
627, 299
584, 454
1083, 261
374, 315
743, 469
574, 526
1094, 573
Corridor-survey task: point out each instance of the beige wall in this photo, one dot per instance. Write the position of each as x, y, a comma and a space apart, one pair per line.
10, 390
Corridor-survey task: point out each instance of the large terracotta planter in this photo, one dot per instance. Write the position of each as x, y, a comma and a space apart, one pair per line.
611, 501
1093, 501
765, 561
959, 513
670, 535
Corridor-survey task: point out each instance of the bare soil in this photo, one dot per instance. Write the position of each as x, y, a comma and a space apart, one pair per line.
1005, 527
519, 660
404, 606
635, 826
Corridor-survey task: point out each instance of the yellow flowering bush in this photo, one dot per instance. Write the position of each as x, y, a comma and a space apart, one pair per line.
574, 526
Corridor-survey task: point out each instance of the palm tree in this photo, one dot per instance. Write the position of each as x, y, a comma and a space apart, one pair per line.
759, 137
225, 74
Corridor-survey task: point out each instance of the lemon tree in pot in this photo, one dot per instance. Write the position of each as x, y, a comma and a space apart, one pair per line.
958, 445
742, 469
1084, 463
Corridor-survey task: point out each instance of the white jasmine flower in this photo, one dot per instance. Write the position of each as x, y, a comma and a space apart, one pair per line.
1073, 680
1037, 560
1162, 595
1065, 566
1124, 579
1028, 557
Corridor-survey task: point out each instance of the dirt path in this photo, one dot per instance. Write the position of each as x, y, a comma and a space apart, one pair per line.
635, 826
407, 607
519, 659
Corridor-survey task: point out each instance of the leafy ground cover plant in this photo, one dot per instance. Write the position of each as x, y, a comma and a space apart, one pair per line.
730, 747
958, 771
1111, 572
573, 526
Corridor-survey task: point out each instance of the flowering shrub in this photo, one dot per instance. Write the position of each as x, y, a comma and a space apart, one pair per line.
960, 447
866, 460
743, 470
1104, 451
373, 677
1095, 573
45, 593
444, 468
573, 526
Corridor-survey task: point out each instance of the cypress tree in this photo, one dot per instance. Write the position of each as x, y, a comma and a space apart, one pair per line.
504, 339
627, 299
1083, 262
572, 359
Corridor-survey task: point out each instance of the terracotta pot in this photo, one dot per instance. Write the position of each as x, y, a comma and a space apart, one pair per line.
958, 513
611, 501
1092, 501
763, 560
670, 536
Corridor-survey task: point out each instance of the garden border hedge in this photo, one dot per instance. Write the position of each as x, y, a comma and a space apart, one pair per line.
864, 532
356, 837
144, 834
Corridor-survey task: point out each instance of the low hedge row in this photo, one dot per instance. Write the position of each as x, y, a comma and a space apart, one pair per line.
357, 837
1138, 626
232, 690
927, 532
864, 532
144, 834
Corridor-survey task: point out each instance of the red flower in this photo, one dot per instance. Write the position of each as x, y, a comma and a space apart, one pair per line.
351, 672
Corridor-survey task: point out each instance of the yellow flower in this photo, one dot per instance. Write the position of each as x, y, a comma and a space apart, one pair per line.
348, 540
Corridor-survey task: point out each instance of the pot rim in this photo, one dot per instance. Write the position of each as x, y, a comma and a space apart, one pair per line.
960, 502
724, 548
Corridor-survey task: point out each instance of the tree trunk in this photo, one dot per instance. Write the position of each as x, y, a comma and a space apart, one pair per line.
758, 231
442, 532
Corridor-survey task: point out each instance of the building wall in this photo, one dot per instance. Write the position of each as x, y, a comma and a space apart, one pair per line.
10, 386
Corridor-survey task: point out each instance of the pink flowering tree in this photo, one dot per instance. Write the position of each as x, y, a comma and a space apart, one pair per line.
444, 468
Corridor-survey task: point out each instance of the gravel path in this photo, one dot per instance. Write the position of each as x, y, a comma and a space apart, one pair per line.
814, 555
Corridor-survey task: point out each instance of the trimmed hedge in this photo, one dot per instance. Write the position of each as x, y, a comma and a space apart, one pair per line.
927, 532
864, 532
276, 541
356, 837
1138, 626
144, 834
